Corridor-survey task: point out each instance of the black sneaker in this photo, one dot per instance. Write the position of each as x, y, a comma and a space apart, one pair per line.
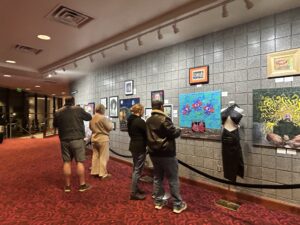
137, 196
140, 191
161, 204
84, 187
180, 208
67, 189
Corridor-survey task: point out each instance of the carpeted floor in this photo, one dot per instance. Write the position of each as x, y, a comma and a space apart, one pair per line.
31, 193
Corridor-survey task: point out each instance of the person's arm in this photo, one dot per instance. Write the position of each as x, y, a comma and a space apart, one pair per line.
107, 124
55, 121
171, 131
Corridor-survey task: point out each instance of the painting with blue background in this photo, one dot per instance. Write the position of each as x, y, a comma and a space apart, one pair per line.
200, 106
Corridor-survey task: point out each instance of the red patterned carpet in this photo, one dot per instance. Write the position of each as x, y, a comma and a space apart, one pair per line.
31, 193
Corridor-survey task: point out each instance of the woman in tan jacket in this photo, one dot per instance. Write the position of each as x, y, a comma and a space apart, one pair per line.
100, 126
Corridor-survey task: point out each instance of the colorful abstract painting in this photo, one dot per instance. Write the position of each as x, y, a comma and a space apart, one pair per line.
200, 115
276, 117
124, 113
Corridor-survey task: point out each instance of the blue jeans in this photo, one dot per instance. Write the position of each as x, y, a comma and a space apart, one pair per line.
166, 167
138, 165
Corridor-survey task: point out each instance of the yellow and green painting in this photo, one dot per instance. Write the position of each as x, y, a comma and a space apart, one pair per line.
276, 117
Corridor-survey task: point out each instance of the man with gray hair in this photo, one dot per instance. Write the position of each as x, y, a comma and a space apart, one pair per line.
100, 126
69, 121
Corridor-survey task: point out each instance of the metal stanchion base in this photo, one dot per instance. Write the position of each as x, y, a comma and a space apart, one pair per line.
227, 204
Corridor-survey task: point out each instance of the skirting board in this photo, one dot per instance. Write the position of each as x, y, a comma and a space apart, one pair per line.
234, 195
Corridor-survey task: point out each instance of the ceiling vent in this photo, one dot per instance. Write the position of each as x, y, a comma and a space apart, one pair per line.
27, 49
68, 16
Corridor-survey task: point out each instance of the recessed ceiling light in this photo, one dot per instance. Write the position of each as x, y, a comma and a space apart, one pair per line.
63, 93
53, 94
10, 61
37, 86
6, 75
43, 37
27, 89
49, 75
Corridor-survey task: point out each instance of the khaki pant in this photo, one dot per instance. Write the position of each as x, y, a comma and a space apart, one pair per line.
100, 158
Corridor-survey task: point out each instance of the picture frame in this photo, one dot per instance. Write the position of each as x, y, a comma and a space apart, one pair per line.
157, 95
90, 108
128, 87
114, 106
198, 75
283, 63
103, 101
124, 111
168, 109
147, 113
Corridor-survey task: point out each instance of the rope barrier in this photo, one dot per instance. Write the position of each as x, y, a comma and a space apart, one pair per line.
265, 186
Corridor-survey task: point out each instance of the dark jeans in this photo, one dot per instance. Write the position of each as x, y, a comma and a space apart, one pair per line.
166, 167
138, 165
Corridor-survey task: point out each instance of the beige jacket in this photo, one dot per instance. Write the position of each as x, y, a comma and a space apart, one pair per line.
100, 126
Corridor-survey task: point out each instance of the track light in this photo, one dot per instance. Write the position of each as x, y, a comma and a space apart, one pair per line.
64, 69
224, 11
175, 28
159, 35
249, 4
75, 65
103, 55
125, 46
91, 58
54, 72
140, 41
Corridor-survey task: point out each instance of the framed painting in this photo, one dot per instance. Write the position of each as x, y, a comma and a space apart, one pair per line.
103, 101
128, 86
147, 113
113, 106
90, 108
168, 109
198, 75
157, 96
284, 63
200, 115
276, 120
124, 112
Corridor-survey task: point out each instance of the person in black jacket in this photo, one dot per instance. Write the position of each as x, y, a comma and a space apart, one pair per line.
137, 147
161, 134
69, 121
2, 125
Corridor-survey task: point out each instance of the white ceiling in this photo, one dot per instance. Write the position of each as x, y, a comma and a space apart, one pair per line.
113, 22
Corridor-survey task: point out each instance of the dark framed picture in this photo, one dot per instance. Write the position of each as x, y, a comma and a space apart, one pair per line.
157, 96
113, 106
103, 101
168, 110
90, 108
128, 87
198, 75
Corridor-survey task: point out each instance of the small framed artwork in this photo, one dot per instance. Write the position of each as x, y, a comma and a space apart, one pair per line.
147, 113
103, 101
128, 86
113, 106
198, 75
168, 109
284, 63
157, 96
90, 108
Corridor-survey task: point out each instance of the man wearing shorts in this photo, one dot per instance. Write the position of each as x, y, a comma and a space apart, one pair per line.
69, 121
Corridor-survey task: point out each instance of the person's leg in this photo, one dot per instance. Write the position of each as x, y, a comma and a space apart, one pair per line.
171, 168
67, 173
95, 160
138, 165
80, 173
158, 178
104, 157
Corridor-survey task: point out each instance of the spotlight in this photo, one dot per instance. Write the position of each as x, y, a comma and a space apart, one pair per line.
49, 75
159, 35
249, 4
91, 58
175, 28
75, 65
125, 46
224, 11
103, 55
64, 69
140, 41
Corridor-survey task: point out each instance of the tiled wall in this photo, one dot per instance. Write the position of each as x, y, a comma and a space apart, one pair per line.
237, 64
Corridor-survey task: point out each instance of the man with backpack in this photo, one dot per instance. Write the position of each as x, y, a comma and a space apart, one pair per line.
161, 134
